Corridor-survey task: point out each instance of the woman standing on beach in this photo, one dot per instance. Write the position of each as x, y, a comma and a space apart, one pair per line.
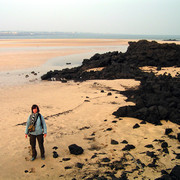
36, 128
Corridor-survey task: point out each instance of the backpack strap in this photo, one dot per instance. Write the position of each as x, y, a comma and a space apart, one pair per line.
41, 120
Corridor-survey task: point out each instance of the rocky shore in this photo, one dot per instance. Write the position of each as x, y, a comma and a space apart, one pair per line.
157, 98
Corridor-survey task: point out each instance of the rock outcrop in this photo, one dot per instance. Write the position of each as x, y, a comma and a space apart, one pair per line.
157, 97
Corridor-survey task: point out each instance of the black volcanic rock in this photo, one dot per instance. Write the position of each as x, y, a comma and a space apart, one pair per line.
168, 131
75, 149
128, 147
122, 65
157, 97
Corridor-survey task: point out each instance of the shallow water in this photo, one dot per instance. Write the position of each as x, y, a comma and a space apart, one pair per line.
33, 75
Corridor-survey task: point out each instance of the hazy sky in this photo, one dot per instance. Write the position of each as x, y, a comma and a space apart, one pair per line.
161, 17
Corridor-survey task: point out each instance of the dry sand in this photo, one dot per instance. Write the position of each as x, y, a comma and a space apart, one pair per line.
85, 107
85, 118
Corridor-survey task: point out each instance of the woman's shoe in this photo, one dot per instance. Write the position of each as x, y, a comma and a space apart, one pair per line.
43, 157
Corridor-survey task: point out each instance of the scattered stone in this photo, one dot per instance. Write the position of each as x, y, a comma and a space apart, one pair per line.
149, 146
164, 145
83, 128
26, 76
105, 120
66, 159
168, 131
94, 156
109, 129
143, 122
79, 165
151, 154
128, 147
124, 142
136, 126
102, 91
106, 160
68, 167
114, 142
75, 149
93, 134
172, 136
86, 100
109, 94
114, 121
165, 150
55, 148
43, 166
26, 171
55, 154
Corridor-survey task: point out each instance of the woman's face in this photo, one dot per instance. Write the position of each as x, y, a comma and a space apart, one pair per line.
35, 110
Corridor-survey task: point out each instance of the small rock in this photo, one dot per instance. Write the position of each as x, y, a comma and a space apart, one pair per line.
109, 129
149, 146
26, 171
66, 159
86, 101
102, 91
136, 126
68, 167
42, 166
106, 160
114, 142
114, 121
151, 154
143, 122
168, 131
172, 136
109, 94
75, 149
79, 165
94, 156
128, 147
165, 150
55, 154
124, 142
164, 145
55, 148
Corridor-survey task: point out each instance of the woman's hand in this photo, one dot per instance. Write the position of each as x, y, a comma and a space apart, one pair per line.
26, 136
45, 135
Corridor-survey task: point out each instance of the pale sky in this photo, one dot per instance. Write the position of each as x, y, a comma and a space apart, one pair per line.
156, 17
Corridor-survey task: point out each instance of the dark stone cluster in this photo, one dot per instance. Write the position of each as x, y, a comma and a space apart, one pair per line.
157, 98
121, 65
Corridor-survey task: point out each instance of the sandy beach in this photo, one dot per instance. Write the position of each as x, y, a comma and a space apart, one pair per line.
75, 113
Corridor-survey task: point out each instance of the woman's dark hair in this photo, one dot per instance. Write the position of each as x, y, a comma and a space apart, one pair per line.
34, 107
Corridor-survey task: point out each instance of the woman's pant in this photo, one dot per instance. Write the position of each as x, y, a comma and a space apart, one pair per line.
40, 139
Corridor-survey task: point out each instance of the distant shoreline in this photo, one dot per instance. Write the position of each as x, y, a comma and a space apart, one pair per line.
76, 35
